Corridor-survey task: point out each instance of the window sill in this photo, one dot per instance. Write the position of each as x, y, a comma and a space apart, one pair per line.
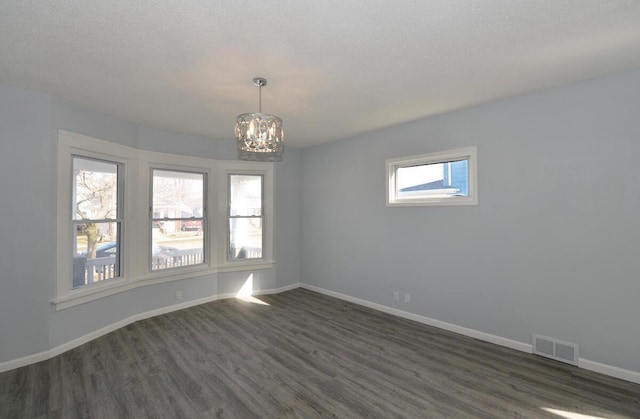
96, 292
432, 202
246, 266
99, 291
176, 274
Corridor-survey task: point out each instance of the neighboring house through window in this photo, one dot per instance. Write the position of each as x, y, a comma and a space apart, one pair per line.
443, 178
178, 219
245, 216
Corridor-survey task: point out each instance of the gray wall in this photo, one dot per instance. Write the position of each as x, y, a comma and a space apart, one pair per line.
27, 222
28, 134
552, 247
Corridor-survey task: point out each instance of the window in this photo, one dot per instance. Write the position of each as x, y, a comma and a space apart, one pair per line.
128, 218
178, 219
97, 222
444, 178
95, 187
245, 213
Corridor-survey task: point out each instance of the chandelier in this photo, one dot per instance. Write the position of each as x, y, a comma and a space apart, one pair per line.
259, 136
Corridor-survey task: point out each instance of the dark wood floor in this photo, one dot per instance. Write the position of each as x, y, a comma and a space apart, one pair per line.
304, 355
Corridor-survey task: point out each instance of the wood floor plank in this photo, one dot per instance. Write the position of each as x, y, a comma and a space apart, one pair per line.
303, 355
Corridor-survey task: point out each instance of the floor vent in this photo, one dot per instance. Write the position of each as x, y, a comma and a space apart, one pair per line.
555, 349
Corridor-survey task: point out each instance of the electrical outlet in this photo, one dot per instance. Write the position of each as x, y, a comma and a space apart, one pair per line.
407, 297
396, 295
178, 295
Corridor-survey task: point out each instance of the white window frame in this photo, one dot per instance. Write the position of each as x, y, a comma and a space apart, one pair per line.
244, 168
238, 217
136, 238
204, 219
118, 219
70, 145
149, 160
467, 153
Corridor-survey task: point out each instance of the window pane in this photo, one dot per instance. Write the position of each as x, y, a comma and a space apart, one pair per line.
95, 189
245, 195
96, 245
177, 194
175, 251
433, 180
245, 238
97, 253
178, 219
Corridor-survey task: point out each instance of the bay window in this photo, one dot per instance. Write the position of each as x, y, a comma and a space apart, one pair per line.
128, 218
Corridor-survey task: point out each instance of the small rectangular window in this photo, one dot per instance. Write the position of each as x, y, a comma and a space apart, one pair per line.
246, 217
444, 178
96, 220
178, 219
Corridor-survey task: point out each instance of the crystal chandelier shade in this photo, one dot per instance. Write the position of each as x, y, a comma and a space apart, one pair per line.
259, 136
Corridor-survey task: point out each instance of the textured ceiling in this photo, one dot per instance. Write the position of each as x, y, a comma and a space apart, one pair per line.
336, 68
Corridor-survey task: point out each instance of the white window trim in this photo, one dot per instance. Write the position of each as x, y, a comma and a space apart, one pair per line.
153, 160
206, 228
137, 235
70, 144
467, 153
245, 168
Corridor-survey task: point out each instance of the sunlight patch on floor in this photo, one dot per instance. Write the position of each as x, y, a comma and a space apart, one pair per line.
246, 293
570, 415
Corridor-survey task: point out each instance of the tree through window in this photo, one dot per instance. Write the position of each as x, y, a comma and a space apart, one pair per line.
97, 220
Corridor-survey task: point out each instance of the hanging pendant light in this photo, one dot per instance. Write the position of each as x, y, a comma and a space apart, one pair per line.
259, 136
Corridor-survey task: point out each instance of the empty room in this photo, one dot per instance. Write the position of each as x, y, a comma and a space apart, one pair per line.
449, 227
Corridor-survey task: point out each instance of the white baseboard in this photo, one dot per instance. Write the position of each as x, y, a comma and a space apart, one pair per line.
25, 360
262, 292
610, 370
124, 322
278, 290
43, 356
513, 344
605, 369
